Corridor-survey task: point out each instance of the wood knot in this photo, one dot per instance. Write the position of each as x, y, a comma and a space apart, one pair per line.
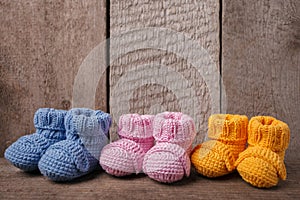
66, 104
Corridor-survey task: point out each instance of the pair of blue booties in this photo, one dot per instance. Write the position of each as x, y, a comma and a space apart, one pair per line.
66, 144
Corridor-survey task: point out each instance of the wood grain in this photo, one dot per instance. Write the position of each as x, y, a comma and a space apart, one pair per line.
198, 20
42, 44
99, 185
261, 61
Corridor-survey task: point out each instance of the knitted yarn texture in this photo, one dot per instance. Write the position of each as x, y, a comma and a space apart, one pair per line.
262, 163
125, 156
26, 152
228, 134
168, 160
86, 135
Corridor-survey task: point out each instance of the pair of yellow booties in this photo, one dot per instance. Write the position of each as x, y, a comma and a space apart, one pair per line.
261, 163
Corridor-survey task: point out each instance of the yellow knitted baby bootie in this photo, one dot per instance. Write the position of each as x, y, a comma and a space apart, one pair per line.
228, 134
261, 164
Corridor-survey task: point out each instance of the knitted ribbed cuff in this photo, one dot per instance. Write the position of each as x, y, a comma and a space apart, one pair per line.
88, 122
135, 126
174, 127
227, 127
269, 132
49, 118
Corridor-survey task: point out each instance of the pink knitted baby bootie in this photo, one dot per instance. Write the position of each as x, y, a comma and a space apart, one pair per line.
125, 156
168, 160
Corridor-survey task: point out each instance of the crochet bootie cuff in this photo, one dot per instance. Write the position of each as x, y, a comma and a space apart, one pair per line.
175, 128
89, 128
50, 119
269, 132
135, 126
228, 128
87, 122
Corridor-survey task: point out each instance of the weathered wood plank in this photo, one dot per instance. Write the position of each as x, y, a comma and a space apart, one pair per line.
99, 185
42, 44
150, 74
261, 61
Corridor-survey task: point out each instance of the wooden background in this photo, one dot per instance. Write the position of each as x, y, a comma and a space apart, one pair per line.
255, 45
42, 44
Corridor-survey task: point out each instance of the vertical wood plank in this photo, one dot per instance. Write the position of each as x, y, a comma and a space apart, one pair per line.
42, 44
261, 60
198, 20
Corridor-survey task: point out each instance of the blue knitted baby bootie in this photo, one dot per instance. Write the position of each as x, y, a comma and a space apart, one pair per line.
26, 152
87, 134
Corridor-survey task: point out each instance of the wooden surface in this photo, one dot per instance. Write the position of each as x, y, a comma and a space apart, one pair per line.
99, 185
198, 20
261, 61
42, 44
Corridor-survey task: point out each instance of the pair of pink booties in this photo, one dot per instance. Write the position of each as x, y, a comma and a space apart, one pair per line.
159, 146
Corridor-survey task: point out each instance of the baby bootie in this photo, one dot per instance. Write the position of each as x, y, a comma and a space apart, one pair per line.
26, 152
168, 160
86, 135
262, 163
228, 134
125, 156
